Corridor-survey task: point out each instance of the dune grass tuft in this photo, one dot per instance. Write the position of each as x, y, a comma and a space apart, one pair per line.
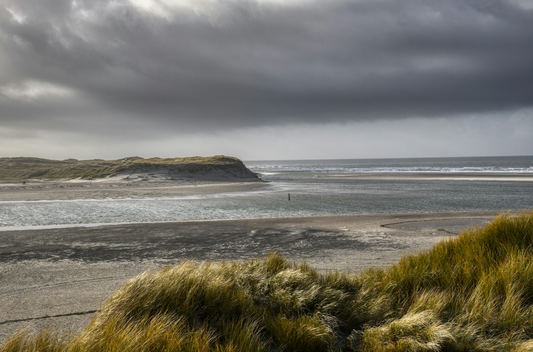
469, 293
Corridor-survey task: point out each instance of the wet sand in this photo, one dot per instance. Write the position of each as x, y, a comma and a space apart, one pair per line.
53, 190
61, 276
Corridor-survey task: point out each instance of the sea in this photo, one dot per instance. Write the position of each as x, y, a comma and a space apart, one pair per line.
310, 193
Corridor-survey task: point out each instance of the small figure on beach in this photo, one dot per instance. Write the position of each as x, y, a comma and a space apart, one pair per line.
289, 196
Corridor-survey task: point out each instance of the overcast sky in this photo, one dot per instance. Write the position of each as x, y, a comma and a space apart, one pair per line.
266, 79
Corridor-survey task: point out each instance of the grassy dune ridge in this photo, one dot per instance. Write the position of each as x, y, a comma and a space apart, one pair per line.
24, 168
473, 292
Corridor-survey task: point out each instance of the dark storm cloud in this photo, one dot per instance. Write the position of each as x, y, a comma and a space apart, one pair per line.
93, 63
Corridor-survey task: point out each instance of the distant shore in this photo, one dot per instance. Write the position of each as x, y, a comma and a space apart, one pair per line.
136, 169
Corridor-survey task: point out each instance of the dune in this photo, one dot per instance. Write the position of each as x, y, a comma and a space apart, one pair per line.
215, 168
31, 179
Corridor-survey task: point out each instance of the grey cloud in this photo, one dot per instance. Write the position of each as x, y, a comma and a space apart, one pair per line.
259, 64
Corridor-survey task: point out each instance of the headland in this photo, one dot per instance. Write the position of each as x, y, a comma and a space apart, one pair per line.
31, 179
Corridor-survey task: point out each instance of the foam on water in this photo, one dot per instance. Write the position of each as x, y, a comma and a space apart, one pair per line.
388, 169
441, 165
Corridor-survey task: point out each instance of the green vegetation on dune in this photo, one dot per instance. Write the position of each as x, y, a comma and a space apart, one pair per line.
23, 168
469, 293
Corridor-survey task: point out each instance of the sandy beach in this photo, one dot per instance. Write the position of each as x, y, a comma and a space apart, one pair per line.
54, 190
60, 277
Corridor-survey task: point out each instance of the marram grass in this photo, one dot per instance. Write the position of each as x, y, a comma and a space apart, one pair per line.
25, 168
469, 293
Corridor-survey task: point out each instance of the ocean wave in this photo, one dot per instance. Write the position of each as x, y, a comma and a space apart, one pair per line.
275, 169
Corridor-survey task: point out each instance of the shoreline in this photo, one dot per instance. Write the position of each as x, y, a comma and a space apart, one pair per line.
61, 276
54, 190
468, 214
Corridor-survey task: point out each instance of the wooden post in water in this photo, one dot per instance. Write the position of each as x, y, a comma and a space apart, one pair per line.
289, 196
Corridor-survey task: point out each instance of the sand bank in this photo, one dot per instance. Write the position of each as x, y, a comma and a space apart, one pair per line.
61, 276
436, 176
68, 190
